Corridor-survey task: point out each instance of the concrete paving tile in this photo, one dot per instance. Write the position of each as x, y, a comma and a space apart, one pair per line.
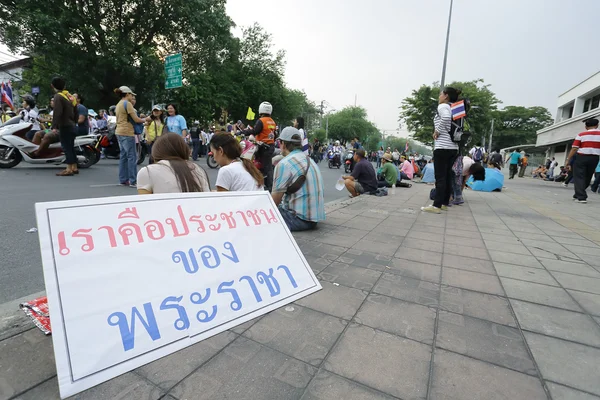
246, 370
403, 288
489, 237
327, 386
384, 237
387, 249
424, 256
363, 224
396, 366
471, 280
338, 240
466, 234
339, 301
553, 254
560, 392
465, 249
26, 360
541, 294
484, 340
578, 241
351, 276
517, 259
495, 231
298, 332
467, 263
555, 322
46, 391
239, 329
126, 386
365, 259
589, 301
507, 247
167, 371
419, 227
435, 237
317, 264
591, 260
449, 239
398, 317
570, 268
415, 270
565, 362
536, 275
423, 245
480, 305
457, 377
320, 250
589, 251
581, 283
430, 221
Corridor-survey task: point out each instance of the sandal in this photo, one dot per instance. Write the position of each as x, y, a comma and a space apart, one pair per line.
65, 173
76, 172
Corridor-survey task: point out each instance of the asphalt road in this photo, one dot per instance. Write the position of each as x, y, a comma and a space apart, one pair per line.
23, 186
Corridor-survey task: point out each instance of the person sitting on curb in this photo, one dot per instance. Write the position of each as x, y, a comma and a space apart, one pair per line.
363, 178
389, 172
298, 184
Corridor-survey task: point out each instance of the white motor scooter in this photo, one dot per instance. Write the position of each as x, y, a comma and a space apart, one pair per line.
14, 147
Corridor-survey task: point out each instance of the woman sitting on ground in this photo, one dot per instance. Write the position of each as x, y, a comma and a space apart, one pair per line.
236, 173
172, 171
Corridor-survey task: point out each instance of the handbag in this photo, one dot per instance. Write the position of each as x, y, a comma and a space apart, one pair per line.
298, 183
138, 129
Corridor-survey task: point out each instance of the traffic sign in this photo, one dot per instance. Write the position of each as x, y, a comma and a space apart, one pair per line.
173, 71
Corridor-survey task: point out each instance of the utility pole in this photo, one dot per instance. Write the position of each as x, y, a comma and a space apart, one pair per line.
491, 134
446, 51
355, 99
327, 129
321, 124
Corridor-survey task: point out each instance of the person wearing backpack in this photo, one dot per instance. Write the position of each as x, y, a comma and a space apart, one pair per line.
476, 153
445, 151
126, 118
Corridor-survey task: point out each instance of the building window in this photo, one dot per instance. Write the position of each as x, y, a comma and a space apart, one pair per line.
571, 112
591, 103
586, 105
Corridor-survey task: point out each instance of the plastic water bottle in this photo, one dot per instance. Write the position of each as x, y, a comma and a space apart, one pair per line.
394, 188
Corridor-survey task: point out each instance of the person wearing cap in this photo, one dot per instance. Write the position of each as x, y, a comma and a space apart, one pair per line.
389, 172
154, 128
126, 116
587, 147
300, 200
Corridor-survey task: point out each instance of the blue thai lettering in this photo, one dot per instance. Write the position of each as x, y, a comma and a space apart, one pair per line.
271, 282
233, 257
250, 281
224, 287
181, 257
207, 253
128, 331
181, 323
289, 274
202, 315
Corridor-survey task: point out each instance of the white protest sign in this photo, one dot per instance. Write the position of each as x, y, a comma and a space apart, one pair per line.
132, 279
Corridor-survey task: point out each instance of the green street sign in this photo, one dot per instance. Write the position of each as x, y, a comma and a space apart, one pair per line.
173, 71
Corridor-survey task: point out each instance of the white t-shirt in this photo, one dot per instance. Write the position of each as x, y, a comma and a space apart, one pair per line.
467, 162
235, 178
31, 116
160, 178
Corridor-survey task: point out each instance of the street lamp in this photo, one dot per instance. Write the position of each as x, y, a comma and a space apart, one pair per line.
446, 51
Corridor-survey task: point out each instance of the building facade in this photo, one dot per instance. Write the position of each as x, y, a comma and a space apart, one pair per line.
574, 106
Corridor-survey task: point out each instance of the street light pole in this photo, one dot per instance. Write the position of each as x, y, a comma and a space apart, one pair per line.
446, 51
327, 129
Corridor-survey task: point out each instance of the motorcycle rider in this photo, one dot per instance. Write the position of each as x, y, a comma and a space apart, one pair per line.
264, 131
29, 114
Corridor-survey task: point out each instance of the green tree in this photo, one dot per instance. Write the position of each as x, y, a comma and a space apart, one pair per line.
351, 122
420, 107
515, 125
317, 134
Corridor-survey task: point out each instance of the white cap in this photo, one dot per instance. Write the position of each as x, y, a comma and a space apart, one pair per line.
290, 134
126, 89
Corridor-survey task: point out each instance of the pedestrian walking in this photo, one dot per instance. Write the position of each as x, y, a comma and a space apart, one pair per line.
126, 117
523, 167
515, 160
64, 120
587, 147
445, 151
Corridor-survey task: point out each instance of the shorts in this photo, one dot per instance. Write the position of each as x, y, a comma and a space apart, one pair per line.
51, 136
359, 188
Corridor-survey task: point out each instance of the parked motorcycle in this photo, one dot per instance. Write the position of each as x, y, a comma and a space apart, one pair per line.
334, 159
349, 161
107, 143
14, 147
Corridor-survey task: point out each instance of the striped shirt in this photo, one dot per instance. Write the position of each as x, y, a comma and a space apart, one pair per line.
304, 141
308, 202
588, 142
443, 122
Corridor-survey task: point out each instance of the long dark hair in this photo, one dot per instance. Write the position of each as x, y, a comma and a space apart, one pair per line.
452, 93
232, 150
171, 147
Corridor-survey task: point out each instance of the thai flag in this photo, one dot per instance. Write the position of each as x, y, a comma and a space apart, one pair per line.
458, 110
7, 95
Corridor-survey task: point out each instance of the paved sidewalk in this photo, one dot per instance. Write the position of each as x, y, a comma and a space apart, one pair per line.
496, 299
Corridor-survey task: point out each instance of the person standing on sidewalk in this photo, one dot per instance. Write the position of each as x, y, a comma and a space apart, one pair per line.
445, 151
154, 128
126, 117
195, 135
513, 168
587, 147
64, 120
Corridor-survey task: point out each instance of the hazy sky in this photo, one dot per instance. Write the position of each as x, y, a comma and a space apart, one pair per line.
530, 51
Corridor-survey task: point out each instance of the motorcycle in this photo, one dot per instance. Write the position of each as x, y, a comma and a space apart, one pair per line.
334, 159
14, 147
349, 161
107, 143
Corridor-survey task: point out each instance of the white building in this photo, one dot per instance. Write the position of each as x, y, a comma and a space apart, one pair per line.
11, 71
574, 106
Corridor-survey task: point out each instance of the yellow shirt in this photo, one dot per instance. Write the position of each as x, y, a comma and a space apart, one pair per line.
5, 117
154, 130
124, 127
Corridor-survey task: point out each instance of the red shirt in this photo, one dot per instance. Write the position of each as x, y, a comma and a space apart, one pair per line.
588, 142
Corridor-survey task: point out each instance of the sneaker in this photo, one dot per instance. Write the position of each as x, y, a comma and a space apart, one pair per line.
124, 183
458, 202
580, 201
431, 209
564, 184
445, 208
133, 185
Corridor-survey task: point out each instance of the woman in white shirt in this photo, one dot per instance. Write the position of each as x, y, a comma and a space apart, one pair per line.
236, 174
172, 171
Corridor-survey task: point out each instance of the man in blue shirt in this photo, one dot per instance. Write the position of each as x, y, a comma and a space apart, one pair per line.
515, 158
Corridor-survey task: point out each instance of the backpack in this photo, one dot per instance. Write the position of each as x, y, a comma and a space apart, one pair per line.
138, 129
459, 128
477, 154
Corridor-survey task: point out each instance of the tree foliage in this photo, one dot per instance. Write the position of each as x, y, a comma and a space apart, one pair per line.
351, 122
515, 125
418, 110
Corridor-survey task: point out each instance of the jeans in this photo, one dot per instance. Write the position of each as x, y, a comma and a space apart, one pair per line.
512, 169
443, 159
294, 223
585, 165
522, 171
596, 182
149, 146
265, 156
195, 148
67, 141
378, 162
127, 160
